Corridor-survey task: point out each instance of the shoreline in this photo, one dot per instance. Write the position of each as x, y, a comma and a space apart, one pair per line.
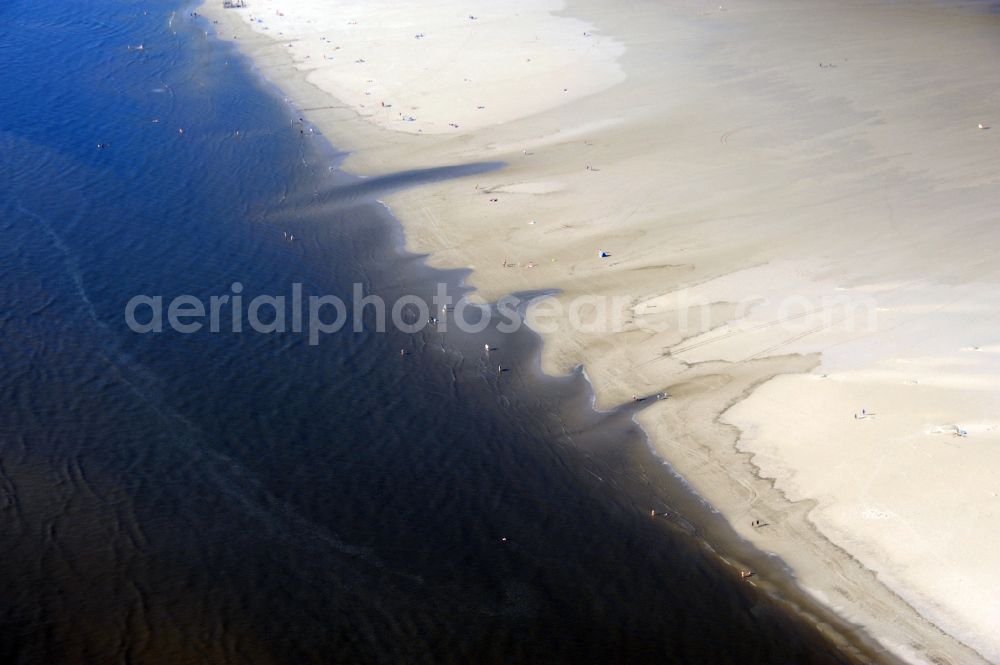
712, 388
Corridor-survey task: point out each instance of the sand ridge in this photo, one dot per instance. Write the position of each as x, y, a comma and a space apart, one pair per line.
801, 196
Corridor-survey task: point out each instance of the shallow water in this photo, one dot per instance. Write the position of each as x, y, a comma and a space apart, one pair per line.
250, 498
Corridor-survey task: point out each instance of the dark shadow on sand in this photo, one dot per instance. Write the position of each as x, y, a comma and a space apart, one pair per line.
363, 190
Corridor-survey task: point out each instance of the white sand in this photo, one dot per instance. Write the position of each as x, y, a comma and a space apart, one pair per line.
799, 189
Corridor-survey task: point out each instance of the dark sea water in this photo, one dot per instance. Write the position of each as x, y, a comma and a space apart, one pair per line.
249, 498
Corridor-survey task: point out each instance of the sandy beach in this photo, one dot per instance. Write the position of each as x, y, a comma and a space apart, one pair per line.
799, 210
